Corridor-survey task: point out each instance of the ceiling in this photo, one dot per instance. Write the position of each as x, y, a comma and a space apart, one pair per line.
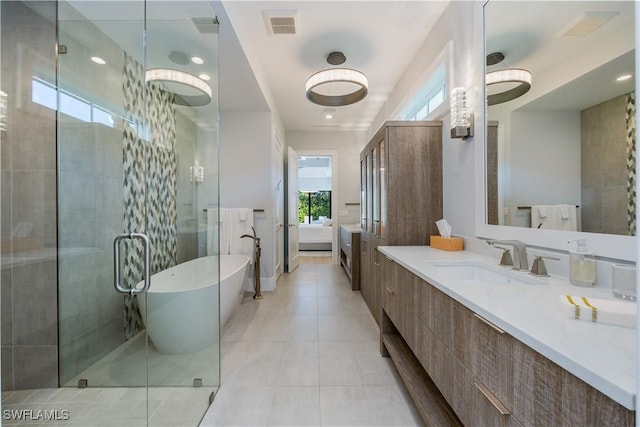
531, 36
379, 38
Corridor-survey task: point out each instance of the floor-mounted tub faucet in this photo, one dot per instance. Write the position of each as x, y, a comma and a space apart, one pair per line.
519, 249
257, 250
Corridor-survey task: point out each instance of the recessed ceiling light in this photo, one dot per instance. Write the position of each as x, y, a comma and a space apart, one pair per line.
197, 60
328, 116
623, 77
98, 60
204, 77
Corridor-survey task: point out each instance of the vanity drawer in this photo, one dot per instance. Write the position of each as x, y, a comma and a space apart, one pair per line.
546, 394
345, 242
474, 403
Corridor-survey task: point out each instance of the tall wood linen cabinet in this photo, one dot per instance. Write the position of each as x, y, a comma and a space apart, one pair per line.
400, 196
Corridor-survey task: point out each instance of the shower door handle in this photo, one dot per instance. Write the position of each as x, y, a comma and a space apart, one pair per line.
147, 263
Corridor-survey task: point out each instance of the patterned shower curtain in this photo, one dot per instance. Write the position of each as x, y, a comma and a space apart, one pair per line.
149, 156
631, 162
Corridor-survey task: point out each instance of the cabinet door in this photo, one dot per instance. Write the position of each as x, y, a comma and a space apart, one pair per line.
375, 189
390, 303
363, 194
376, 282
365, 265
369, 187
382, 172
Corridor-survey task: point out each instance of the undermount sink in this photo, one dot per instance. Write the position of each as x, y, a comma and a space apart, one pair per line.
476, 272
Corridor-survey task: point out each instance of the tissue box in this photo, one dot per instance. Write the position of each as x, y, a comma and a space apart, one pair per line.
447, 244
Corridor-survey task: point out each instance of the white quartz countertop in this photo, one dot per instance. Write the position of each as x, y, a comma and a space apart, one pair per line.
601, 355
353, 228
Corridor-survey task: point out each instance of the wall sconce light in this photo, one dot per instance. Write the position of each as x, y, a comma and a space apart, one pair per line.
197, 173
3, 110
461, 120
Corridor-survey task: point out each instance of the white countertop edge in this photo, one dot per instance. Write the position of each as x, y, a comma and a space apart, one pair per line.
618, 393
352, 228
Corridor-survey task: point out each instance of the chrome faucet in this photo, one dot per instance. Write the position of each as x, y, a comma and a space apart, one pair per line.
519, 250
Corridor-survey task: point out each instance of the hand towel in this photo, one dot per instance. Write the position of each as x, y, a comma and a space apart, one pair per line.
217, 232
620, 313
539, 216
568, 217
245, 214
212, 231
237, 227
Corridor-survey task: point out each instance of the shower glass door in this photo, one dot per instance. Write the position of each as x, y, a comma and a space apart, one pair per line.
137, 136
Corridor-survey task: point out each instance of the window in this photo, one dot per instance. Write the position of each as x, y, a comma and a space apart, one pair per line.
429, 97
314, 207
46, 94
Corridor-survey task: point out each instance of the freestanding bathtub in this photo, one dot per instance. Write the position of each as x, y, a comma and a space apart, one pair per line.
179, 309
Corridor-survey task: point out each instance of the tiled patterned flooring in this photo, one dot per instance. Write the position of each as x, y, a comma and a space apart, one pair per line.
307, 355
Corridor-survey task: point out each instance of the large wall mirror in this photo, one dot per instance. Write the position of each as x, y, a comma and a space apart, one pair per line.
560, 157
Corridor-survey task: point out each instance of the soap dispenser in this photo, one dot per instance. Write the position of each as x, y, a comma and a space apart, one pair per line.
582, 265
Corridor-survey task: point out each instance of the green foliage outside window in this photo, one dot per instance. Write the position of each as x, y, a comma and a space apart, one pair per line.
314, 205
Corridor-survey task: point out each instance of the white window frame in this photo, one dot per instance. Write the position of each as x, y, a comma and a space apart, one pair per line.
415, 100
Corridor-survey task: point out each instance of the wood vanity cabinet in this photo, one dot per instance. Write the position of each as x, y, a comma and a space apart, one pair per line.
401, 196
485, 376
350, 254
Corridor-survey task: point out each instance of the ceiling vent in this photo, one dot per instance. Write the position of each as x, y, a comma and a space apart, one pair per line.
206, 25
280, 21
587, 23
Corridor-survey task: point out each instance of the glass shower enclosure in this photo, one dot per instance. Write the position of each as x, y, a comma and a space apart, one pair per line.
137, 141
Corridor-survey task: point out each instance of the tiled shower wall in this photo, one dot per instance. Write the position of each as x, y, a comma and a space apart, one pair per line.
28, 174
604, 178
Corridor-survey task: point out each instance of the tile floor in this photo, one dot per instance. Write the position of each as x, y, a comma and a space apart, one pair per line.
307, 355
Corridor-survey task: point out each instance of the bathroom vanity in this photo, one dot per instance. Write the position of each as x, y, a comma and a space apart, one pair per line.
500, 352
350, 253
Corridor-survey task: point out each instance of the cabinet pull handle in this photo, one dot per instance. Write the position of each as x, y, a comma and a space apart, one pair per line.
391, 291
492, 399
486, 322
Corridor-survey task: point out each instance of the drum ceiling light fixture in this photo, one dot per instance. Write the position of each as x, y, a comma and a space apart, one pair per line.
519, 76
327, 87
179, 81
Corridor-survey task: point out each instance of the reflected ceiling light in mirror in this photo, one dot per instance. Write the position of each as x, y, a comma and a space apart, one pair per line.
623, 77
98, 60
322, 87
183, 85
519, 76
197, 60
204, 77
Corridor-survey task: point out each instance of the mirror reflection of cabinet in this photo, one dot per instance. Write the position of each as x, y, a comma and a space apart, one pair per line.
401, 170
492, 172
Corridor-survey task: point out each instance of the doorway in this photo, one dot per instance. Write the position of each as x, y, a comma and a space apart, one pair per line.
317, 194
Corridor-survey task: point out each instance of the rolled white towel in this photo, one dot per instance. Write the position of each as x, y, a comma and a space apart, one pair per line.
620, 313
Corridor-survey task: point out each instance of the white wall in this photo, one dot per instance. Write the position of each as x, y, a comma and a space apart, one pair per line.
246, 177
348, 146
544, 161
